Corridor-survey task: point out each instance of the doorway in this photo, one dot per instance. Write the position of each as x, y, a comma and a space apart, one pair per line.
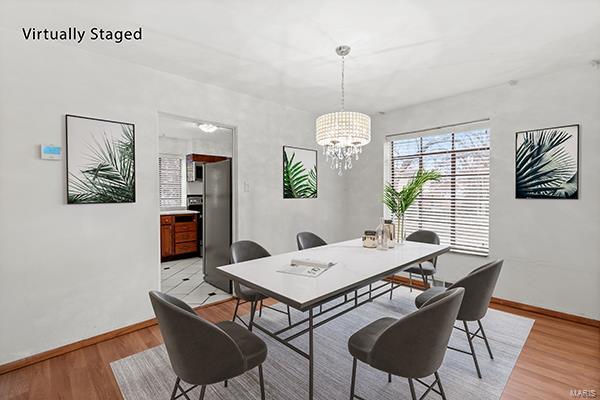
195, 161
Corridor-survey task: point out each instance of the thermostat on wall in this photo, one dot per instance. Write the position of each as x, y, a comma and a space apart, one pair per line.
50, 152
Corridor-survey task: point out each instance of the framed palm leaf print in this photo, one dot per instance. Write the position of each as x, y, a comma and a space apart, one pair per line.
100, 161
547, 163
299, 173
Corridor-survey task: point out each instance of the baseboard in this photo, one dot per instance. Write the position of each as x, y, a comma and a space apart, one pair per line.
418, 284
23, 362
546, 312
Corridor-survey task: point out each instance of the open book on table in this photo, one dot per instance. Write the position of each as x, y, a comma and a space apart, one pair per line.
306, 267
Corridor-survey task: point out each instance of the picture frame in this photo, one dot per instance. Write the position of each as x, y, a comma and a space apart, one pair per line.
100, 160
547, 163
299, 173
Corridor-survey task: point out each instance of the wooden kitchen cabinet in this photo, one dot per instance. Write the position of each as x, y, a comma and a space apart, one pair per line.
178, 235
166, 241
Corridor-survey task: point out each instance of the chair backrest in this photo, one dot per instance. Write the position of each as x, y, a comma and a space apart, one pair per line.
414, 347
200, 352
246, 250
479, 287
307, 240
424, 236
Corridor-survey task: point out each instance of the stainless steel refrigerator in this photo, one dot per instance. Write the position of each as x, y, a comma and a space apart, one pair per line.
216, 225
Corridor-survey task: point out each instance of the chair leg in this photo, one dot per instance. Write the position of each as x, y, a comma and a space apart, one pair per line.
389, 378
262, 382
412, 389
225, 383
289, 316
237, 305
260, 309
472, 349
202, 391
439, 382
424, 277
175, 388
392, 289
252, 312
487, 344
353, 381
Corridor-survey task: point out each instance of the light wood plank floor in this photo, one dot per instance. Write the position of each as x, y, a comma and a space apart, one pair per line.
558, 356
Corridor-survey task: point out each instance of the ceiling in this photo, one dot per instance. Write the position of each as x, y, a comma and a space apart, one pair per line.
403, 52
187, 129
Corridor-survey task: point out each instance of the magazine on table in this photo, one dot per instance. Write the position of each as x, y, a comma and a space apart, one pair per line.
306, 267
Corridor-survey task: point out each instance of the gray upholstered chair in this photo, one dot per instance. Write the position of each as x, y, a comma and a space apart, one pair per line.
412, 347
308, 240
479, 287
246, 250
425, 268
203, 353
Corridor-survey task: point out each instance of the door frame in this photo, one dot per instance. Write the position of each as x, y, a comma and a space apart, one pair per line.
234, 172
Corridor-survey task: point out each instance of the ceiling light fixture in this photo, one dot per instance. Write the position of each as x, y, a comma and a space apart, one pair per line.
208, 128
343, 133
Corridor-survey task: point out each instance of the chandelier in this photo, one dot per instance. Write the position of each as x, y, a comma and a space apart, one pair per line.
343, 133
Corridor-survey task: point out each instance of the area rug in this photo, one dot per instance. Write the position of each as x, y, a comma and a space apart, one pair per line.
148, 375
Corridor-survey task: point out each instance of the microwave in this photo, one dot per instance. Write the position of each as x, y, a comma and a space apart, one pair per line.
194, 171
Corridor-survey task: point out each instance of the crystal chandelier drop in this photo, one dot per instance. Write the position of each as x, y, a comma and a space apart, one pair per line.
343, 133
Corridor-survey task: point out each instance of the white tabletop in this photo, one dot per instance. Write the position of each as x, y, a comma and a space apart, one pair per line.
355, 267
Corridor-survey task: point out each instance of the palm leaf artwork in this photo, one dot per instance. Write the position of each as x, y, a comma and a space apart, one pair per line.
398, 201
545, 166
109, 175
312, 183
298, 182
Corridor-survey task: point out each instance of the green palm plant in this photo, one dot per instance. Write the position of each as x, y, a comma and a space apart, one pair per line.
398, 201
544, 167
297, 182
109, 176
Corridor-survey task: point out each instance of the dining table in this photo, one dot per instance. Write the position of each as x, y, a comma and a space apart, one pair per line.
355, 277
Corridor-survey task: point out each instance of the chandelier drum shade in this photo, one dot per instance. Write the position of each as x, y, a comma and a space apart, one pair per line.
343, 133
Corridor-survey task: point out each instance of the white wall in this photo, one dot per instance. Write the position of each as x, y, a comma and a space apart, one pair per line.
69, 272
551, 248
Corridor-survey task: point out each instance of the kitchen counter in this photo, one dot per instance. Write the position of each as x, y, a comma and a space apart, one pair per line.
179, 212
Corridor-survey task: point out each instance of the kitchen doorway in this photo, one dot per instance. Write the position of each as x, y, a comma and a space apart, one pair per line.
197, 207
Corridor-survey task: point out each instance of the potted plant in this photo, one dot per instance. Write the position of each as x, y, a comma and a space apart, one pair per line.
399, 201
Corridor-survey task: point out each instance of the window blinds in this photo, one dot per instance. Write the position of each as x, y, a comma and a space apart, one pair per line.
456, 206
170, 178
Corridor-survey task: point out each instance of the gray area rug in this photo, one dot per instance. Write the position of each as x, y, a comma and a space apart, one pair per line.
148, 375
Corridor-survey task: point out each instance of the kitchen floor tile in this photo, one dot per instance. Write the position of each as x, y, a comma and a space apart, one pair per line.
184, 279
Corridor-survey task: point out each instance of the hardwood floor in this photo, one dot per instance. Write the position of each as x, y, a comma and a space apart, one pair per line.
558, 356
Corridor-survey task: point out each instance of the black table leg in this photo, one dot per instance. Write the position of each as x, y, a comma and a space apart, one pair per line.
310, 355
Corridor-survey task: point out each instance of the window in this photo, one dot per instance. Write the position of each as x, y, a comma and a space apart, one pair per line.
171, 180
456, 206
